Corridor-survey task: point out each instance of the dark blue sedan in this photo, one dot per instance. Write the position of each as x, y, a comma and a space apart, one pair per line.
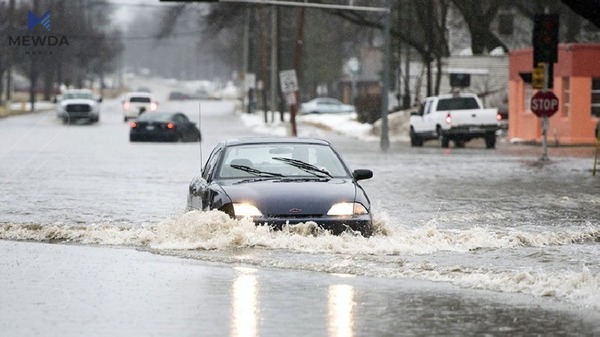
283, 181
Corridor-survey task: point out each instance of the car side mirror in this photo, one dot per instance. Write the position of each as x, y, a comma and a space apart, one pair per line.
362, 174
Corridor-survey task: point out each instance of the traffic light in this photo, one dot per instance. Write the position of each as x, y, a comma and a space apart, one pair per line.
545, 38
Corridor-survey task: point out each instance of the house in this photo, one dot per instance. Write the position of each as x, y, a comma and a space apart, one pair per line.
576, 78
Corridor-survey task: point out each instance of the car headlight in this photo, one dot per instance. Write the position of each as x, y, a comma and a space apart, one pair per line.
347, 208
245, 210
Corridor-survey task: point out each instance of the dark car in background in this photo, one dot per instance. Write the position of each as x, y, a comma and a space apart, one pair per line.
163, 127
283, 181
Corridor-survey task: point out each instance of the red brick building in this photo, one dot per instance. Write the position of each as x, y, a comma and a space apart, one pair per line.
577, 86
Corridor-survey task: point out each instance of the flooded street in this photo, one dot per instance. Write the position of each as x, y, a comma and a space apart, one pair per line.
469, 241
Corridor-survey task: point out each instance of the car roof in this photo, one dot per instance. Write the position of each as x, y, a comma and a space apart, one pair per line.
136, 93
326, 99
460, 94
149, 114
273, 140
78, 90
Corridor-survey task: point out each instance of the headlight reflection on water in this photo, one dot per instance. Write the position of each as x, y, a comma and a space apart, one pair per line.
341, 310
245, 308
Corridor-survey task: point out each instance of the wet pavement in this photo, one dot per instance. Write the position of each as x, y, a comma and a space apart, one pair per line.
471, 241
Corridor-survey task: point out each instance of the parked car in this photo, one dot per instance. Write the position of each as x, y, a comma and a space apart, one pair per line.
163, 127
283, 181
76, 104
178, 96
136, 103
324, 105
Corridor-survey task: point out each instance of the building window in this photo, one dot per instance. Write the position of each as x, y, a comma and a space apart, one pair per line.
527, 96
566, 99
596, 97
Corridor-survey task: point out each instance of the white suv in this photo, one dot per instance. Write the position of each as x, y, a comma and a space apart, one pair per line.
136, 103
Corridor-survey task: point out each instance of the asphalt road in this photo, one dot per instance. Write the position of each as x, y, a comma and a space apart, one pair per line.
472, 241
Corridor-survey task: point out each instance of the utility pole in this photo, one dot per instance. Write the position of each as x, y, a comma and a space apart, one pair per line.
385, 140
11, 13
274, 66
386, 57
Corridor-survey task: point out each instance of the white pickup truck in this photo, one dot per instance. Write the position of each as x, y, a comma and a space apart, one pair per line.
458, 117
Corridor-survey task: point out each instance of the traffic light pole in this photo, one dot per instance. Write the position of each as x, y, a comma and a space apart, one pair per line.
545, 121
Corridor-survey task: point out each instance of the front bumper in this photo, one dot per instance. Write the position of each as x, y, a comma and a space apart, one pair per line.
79, 115
334, 225
473, 130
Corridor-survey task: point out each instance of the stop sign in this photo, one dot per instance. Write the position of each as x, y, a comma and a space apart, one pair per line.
544, 103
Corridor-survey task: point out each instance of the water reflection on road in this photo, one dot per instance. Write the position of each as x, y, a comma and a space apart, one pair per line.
245, 305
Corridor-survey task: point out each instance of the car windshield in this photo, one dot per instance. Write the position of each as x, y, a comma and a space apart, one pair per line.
155, 117
329, 101
139, 99
78, 95
282, 160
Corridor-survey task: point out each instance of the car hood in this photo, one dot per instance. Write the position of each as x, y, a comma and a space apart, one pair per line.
78, 101
291, 196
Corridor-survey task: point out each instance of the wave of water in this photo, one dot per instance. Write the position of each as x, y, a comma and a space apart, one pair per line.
472, 258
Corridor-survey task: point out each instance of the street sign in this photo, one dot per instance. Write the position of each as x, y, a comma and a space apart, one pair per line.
288, 80
544, 103
250, 81
537, 77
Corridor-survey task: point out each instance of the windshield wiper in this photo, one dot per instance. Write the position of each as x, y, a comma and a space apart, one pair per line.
255, 171
304, 166
257, 179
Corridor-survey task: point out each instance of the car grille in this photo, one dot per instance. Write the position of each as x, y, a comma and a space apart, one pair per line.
78, 108
294, 216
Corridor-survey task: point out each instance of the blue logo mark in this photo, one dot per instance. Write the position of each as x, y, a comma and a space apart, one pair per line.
33, 20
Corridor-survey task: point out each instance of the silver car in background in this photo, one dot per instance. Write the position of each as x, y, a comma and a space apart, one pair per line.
324, 105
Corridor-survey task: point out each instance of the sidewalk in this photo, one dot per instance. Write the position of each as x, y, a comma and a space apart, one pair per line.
18, 108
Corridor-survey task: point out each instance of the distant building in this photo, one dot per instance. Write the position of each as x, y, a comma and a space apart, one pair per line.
576, 84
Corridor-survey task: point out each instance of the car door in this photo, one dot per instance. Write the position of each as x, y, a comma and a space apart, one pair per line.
420, 120
188, 131
199, 195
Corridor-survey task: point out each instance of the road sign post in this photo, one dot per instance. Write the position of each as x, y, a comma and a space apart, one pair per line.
544, 104
289, 86
545, 53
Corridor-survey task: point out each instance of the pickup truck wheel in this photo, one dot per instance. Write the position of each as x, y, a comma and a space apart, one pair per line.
445, 141
490, 140
415, 140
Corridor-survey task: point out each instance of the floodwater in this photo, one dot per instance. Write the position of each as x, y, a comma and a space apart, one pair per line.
469, 241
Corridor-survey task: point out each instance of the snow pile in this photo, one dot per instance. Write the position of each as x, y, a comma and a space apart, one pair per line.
346, 124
